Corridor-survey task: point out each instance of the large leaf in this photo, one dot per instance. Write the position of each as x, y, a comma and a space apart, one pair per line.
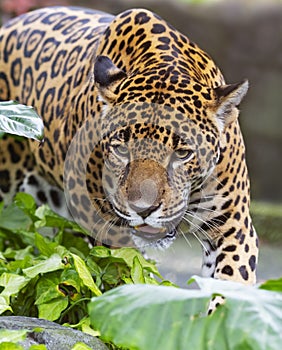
20, 120
145, 317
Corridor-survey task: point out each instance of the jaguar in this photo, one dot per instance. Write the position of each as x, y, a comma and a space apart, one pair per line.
142, 141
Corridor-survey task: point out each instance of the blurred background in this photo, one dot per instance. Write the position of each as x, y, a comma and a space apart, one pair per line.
245, 40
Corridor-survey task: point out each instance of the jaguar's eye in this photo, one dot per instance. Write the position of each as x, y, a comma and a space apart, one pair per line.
121, 150
184, 154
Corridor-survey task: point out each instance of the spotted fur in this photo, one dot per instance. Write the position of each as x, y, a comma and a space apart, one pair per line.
141, 133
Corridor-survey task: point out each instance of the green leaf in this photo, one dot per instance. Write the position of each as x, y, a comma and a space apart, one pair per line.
171, 318
23, 254
275, 285
80, 346
52, 310
84, 274
44, 245
128, 255
70, 277
86, 328
100, 252
52, 264
10, 346
75, 244
137, 271
47, 289
49, 218
20, 120
14, 219
12, 283
7, 335
25, 202
4, 304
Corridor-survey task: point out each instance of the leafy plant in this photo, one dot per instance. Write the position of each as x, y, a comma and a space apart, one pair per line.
20, 120
156, 317
54, 277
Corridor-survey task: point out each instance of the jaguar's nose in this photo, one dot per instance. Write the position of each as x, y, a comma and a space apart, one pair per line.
143, 199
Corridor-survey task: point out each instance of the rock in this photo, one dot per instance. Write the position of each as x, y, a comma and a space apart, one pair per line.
52, 335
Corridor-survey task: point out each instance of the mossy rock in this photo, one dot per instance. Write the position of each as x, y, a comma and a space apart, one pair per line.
50, 334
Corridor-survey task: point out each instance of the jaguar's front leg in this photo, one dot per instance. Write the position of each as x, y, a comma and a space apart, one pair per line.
234, 254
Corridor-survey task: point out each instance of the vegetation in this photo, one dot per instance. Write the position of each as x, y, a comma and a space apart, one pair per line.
55, 277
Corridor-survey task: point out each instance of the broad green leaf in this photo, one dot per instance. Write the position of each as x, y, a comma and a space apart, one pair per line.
52, 264
70, 277
75, 244
49, 218
52, 310
7, 335
274, 285
4, 304
10, 346
13, 218
22, 254
25, 202
84, 274
44, 245
12, 283
80, 346
100, 252
137, 271
20, 120
171, 318
86, 328
128, 255
47, 289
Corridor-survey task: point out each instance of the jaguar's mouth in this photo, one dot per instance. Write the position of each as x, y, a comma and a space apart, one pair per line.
145, 236
149, 232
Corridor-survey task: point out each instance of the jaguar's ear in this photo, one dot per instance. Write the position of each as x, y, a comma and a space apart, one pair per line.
228, 98
107, 77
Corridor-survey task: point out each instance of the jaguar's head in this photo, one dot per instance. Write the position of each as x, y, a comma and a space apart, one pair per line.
158, 145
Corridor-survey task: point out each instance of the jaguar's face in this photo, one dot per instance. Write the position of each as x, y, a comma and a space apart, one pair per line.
150, 171
153, 151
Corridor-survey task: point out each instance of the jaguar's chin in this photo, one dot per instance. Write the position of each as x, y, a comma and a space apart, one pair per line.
145, 236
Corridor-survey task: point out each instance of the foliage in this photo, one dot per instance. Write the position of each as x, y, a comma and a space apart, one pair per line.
158, 317
20, 120
56, 275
